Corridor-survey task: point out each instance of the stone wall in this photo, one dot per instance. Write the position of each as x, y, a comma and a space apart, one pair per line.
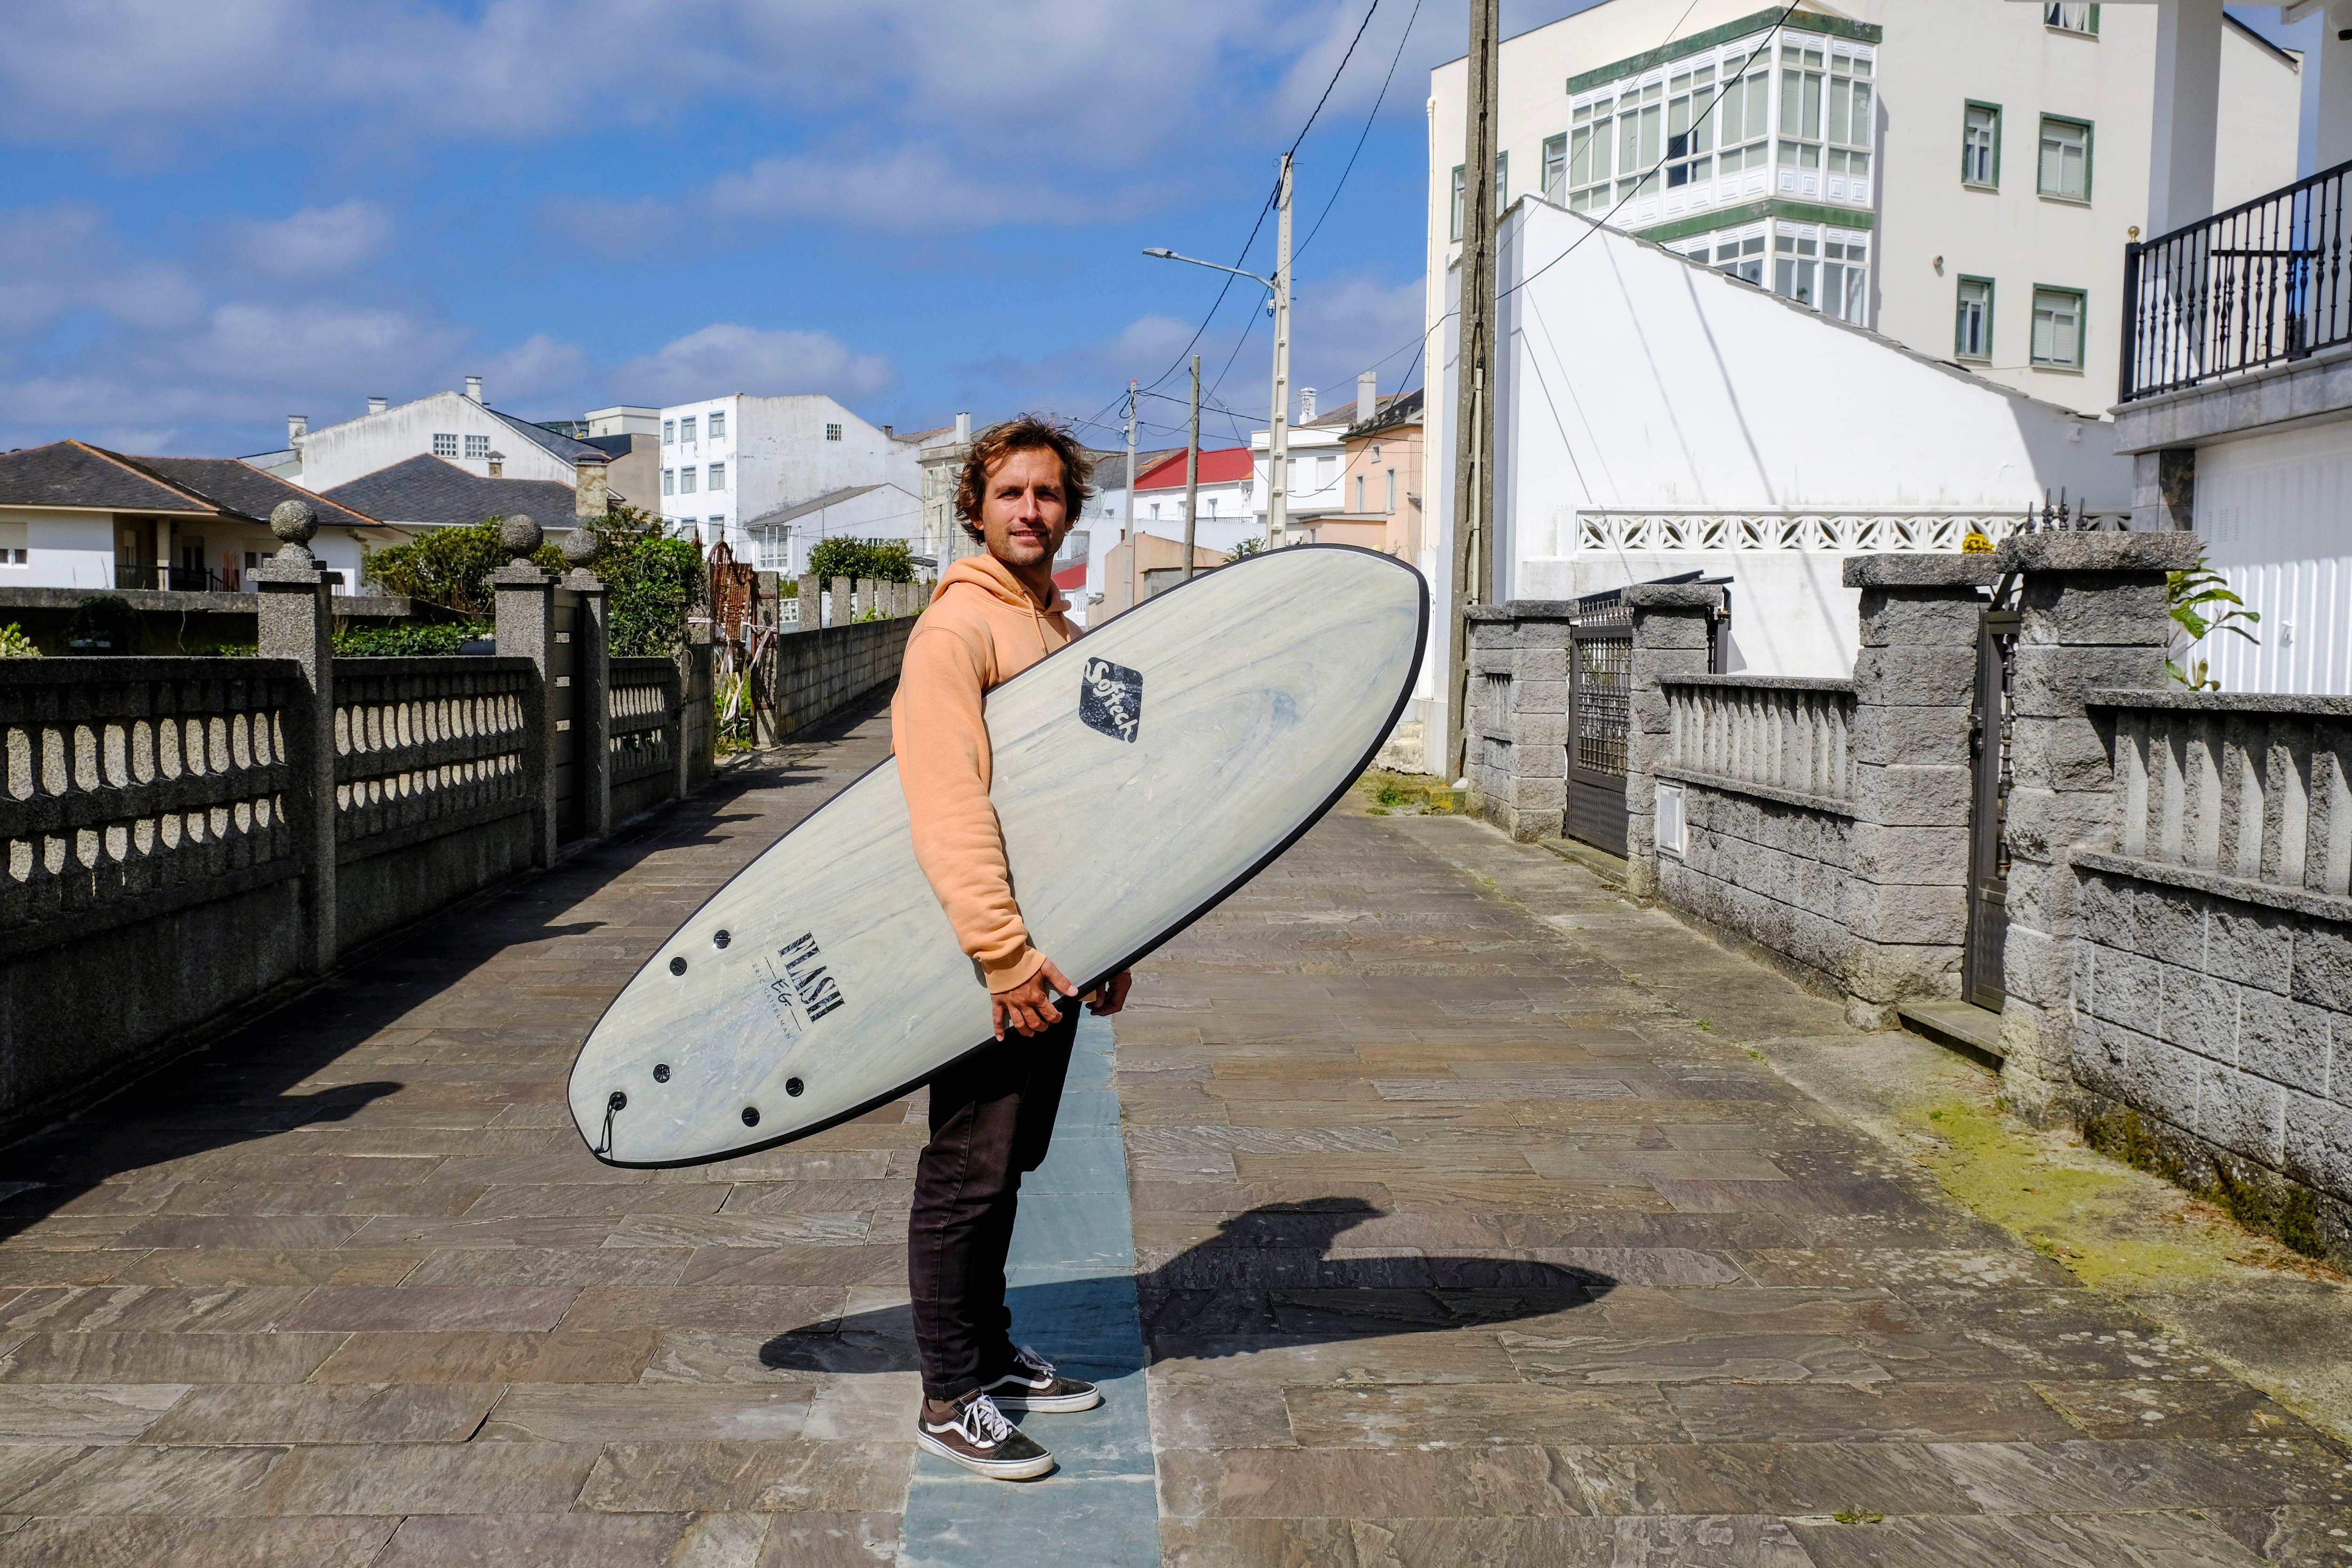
811, 674
1517, 735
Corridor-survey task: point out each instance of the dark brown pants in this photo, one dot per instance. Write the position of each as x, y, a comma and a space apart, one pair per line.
992, 1119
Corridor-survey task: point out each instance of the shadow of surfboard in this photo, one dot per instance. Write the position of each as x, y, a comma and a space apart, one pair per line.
1268, 1277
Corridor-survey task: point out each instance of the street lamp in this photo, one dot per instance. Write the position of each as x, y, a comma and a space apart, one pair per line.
1277, 489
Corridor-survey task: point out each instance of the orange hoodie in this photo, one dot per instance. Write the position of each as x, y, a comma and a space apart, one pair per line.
981, 629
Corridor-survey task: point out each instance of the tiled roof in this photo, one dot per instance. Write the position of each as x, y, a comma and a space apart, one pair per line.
784, 514
1223, 465
76, 474
430, 490
564, 446
1402, 408
1110, 468
1345, 413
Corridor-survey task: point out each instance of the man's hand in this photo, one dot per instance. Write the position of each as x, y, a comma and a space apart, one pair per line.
1029, 1007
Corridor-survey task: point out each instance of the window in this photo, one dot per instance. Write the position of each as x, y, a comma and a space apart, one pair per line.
1502, 181
1739, 120
1742, 255
1845, 277
1327, 470
1155, 512
2071, 18
477, 446
445, 444
717, 476
832, 432
1850, 125
1360, 492
1376, 451
1981, 145
1796, 258
669, 482
1972, 333
717, 423
685, 481
1641, 119
670, 432
1392, 506
1690, 129
685, 430
1555, 169
1454, 229
2066, 159
1589, 159
2058, 328
1801, 106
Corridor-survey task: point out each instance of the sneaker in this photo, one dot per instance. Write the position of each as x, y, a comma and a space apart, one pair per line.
976, 1435
1034, 1385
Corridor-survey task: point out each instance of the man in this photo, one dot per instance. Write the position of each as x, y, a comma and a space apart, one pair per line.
991, 617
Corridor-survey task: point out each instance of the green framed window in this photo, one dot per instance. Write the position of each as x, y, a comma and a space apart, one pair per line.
1981, 145
1972, 326
1555, 169
2064, 168
2058, 315
1454, 229
2070, 17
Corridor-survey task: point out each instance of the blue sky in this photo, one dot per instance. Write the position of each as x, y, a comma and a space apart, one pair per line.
218, 215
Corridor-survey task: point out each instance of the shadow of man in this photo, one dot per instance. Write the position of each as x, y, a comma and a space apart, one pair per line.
1274, 1275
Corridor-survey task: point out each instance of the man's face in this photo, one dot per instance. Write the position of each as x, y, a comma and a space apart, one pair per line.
1025, 513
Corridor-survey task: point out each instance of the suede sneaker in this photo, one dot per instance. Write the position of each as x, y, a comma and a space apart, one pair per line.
1034, 1385
974, 1434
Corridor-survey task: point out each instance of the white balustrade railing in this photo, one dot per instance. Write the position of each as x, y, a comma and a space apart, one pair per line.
1779, 733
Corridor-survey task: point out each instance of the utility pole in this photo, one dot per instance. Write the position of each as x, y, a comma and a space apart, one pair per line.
1277, 453
1127, 534
1192, 469
1473, 404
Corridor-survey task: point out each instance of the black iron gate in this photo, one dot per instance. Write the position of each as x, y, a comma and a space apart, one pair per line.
1600, 691
1988, 752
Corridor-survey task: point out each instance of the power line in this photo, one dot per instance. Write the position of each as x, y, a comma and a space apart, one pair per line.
1366, 131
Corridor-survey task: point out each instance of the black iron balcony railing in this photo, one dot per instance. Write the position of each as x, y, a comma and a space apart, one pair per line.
178, 579
2261, 283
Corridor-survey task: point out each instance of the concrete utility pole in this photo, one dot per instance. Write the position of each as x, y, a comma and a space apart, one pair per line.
1192, 469
1278, 445
1127, 533
1474, 440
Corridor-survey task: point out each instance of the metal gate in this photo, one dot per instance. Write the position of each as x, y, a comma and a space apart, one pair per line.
1599, 693
1988, 753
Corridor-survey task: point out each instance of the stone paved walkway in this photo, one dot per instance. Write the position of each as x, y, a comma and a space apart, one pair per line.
1454, 1239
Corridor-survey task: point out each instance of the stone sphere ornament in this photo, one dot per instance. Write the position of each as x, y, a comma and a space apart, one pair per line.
519, 534
580, 547
294, 521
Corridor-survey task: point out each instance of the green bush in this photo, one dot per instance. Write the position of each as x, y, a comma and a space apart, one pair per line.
450, 567
408, 639
880, 560
15, 644
103, 624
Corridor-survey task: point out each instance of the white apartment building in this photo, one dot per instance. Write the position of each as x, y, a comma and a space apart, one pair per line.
726, 461
1960, 175
457, 428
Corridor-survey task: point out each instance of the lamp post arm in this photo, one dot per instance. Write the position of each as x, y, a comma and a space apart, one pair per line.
1164, 255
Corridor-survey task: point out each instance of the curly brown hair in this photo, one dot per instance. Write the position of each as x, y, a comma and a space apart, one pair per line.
1028, 432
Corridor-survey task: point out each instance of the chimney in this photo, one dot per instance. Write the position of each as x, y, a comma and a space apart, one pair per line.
1306, 405
591, 491
376, 404
474, 387
497, 465
887, 431
963, 429
296, 427
1367, 396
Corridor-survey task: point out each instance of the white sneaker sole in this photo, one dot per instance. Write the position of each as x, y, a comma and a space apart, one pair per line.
1060, 1405
994, 1470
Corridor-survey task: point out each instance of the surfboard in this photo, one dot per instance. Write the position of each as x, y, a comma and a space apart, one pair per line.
1140, 776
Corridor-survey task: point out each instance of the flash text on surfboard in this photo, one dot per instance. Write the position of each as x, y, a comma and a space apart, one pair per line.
802, 969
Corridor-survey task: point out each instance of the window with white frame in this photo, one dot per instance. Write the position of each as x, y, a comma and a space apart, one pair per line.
1845, 276
2058, 328
685, 481
477, 446
773, 548
1327, 470
1796, 264
685, 430
1690, 128
2065, 158
1360, 492
444, 443
1972, 330
1850, 122
1454, 224
670, 432
2071, 18
717, 476
832, 432
1741, 254
1743, 117
1981, 145
1555, 169
1801, 79
718, 425
1640, 127
1392, 506
669, 482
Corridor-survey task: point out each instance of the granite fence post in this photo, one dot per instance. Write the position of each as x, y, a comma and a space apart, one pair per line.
696, 722
2093, 617
843, 614
811, 614
526, 629
1914, 689
1670, 638
297, 622
1518, 761
592, 684
865, 603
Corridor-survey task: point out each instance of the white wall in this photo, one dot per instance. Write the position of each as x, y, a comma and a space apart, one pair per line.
2271, 510
63, 549
341, 453
887, 512
777, 456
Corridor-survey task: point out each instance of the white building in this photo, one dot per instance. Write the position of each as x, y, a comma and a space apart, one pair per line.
727, 461
458, 427
1958, 174
781, 539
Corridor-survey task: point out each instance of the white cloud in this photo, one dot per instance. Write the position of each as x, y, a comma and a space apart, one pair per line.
724, 357
537, 366
314, 243
59, 259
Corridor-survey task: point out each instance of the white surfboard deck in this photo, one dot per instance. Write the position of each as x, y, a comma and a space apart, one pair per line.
825, 978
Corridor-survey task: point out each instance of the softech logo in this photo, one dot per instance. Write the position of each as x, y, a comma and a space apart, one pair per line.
1111, 699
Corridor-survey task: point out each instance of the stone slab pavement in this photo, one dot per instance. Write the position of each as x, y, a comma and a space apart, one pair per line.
1434, 1231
